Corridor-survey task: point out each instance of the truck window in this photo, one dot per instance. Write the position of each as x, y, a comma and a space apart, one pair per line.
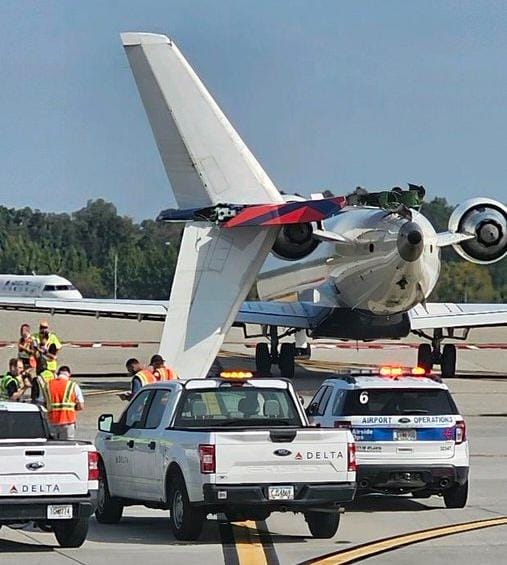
21, 425
393, 402
157, 408
321, 409
236, 406
134, 414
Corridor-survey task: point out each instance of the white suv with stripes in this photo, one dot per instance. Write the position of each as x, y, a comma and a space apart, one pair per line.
410, 437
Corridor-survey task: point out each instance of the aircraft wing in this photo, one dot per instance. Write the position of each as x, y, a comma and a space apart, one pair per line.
435, 315
99, 308
297, 315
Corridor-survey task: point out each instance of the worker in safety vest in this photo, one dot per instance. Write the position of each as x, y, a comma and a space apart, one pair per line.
140, 377
160, 371
64, 399
14, 383
26, 349
47, 346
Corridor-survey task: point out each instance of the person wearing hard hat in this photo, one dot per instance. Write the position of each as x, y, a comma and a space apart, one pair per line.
47, 345
140, 377
159, 369
64, 399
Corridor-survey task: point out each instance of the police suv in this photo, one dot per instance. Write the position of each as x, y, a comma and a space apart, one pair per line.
410, 437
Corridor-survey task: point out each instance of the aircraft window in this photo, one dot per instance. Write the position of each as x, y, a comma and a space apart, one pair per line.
53, 287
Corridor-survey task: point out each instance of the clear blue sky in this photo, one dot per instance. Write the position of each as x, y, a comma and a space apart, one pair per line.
327, 94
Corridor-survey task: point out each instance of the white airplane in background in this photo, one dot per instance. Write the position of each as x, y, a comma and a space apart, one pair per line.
40, 286
362, 266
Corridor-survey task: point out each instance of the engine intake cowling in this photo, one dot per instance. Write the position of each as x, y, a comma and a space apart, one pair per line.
295, 241
487, 220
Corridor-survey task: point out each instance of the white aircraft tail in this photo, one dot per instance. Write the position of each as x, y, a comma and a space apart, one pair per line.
207, 163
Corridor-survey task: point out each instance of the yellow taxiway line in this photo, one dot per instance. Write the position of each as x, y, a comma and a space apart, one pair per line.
248, 545
375, 548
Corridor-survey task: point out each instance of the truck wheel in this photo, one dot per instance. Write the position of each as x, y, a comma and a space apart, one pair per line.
286, 360
71, 533
186, 520
456, 496
262, 360
109, 509
322, 525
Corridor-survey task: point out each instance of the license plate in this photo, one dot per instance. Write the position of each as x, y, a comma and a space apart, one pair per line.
405, 435
281, 493
59, 511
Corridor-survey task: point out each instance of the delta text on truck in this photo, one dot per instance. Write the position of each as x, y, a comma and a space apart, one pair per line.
242, 447
52, 483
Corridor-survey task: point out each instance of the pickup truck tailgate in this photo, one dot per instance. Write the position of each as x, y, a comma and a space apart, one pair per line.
282, 455
45, 468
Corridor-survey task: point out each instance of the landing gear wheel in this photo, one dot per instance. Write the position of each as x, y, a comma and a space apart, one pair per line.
286, 360
322, 525
425, 357
109, 510
456, 496
186, 520
262, 360
71, 533
448, 363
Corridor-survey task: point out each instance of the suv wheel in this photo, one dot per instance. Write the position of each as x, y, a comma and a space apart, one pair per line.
456, 496
322, 525
186, 520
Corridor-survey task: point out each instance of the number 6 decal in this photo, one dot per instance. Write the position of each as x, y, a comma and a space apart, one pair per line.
363, 397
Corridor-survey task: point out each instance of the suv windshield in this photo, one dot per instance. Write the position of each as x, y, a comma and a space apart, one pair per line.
236, 406
389, 402
21, 425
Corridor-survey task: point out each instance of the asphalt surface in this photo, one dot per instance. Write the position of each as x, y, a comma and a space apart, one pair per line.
143, 536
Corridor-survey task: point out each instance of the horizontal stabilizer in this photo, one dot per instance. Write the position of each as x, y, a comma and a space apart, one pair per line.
242, 215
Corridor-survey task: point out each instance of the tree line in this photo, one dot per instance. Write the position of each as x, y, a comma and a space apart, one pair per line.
83, 247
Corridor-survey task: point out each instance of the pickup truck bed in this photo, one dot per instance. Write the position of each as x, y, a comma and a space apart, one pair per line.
50, 482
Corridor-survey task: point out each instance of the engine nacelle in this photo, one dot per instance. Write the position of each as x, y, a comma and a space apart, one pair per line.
487, 220
294, 242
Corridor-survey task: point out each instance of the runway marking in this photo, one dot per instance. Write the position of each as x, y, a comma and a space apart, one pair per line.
248, 544
366, 550
101, 392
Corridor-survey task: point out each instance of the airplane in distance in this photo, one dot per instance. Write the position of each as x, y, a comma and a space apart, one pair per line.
40, 286
361, 265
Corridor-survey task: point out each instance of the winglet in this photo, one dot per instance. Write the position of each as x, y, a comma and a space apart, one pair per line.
130, 38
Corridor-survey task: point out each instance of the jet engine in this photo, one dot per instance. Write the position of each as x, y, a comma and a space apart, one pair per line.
486, 219
295, 241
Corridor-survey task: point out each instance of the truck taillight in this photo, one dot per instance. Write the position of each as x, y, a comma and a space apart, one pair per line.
93, 466
461, 432
342, 424
207, 458
351, 451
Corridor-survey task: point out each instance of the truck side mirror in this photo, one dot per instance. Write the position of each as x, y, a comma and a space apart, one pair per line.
105, 423
312, 409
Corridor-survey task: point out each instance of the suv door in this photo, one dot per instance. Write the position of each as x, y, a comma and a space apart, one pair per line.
119, 447
318, 404
148, 450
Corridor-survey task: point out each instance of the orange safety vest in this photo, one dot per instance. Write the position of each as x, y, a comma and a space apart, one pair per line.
146, 377
61, 395
165, 374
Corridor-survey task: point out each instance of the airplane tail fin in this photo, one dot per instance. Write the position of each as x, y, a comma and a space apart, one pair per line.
204, 157
207, 163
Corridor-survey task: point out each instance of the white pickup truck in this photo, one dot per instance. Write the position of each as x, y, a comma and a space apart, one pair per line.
242, 447
49, 482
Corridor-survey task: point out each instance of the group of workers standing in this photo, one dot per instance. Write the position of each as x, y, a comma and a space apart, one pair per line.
34, 376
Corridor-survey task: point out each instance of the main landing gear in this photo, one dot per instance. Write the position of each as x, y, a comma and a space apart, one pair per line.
434, 354
283, 355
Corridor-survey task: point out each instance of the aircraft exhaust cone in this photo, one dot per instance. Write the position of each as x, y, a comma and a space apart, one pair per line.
410, 242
